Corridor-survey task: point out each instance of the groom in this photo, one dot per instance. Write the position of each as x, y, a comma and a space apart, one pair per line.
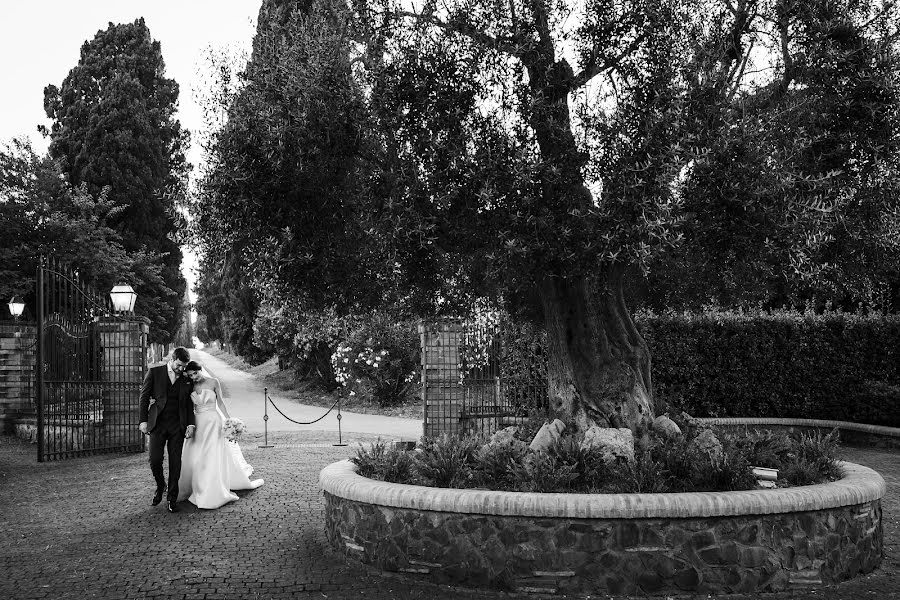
167, 415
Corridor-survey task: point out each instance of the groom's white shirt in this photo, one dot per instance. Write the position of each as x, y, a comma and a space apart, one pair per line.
172, 376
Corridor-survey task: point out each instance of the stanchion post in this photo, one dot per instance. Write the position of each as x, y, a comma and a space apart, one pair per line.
339, 417
266, 443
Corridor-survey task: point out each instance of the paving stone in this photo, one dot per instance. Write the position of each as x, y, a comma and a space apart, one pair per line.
84, 529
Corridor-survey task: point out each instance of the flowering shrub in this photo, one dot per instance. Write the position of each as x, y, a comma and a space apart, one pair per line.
304, 339
480, 340
379, 359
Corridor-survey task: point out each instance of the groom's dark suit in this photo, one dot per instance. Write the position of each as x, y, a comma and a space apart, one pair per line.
166, 418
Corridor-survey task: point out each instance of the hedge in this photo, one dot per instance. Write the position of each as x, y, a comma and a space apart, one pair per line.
784, 364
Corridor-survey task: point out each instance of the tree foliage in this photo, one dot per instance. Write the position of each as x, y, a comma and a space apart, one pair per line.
114, 127
41, 213
794, 197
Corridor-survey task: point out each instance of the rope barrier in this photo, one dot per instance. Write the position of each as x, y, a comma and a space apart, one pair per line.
275, 406
267, 400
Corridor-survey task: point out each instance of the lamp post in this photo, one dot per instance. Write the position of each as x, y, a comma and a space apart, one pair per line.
123, 297
16, 307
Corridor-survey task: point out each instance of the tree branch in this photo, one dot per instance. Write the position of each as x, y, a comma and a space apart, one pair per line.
511, 46
592, 69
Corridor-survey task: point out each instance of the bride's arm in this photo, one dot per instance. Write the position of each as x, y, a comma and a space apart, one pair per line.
220, 400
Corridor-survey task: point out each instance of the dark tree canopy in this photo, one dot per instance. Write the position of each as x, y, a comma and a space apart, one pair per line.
114, 126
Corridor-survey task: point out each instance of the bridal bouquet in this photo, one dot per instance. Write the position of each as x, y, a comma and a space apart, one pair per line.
234, 428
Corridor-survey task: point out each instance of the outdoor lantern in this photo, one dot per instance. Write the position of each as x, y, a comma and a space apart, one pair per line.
16, 306
123, 297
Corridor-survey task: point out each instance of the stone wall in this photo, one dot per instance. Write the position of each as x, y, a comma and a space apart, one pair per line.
852, 434
17, 345
643, 544
642, 556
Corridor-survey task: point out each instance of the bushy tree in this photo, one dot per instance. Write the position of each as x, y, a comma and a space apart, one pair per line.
114, 127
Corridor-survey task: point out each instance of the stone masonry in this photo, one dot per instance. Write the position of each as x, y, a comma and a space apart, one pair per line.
16, 371
615, 556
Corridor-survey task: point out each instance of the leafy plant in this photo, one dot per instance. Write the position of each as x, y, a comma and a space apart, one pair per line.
383, 463
544, 472
447, 461
766, 448
495, 465
814, 459
667, 465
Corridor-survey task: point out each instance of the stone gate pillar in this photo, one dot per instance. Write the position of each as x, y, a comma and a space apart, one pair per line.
17, 346
123, 362
441, 382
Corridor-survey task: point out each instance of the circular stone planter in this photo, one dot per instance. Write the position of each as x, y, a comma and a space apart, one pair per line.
705, 542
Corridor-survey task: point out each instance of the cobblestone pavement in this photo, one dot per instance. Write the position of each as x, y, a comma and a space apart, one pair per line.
84, 528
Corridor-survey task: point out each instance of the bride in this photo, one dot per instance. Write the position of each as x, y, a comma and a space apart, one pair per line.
211, 466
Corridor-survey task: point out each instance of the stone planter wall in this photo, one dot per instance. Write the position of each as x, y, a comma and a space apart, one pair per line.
853, 434
761, 540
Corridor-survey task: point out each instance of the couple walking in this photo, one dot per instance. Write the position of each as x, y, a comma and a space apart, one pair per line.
182, 411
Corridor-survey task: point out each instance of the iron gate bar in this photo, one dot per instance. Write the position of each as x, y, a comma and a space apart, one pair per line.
90, 363
478, 375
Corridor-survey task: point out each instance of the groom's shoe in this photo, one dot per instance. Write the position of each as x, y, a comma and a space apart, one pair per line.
157, 497
173, 507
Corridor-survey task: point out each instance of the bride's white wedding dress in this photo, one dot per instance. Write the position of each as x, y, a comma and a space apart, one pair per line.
211, 466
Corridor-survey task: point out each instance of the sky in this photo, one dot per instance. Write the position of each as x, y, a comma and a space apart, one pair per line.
40, 41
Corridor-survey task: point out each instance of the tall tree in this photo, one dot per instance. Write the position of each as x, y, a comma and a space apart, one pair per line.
114, 126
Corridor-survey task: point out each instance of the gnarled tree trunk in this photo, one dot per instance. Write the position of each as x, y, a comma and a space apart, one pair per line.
598, 364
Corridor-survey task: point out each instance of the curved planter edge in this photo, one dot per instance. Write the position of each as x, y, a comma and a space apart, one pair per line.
859, 485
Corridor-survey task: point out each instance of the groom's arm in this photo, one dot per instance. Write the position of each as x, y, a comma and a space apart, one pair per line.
146, 392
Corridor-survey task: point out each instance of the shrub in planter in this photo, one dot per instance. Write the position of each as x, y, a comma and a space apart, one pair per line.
812, 458
383, 463
447, 462
714, 463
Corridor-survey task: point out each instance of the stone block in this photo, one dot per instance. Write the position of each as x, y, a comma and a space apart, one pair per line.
709, 445
666, 427
614, 444
547, 436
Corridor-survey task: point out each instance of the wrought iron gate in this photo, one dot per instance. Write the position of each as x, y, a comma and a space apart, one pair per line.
89, 368
481, 374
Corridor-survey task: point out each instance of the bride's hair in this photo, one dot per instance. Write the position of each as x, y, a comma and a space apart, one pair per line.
193, 366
